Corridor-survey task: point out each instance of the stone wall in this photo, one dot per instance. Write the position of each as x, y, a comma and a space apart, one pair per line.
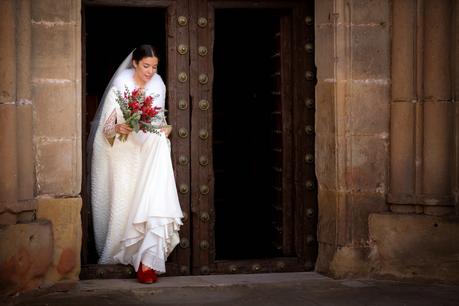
419, 239
352, 129
385, 129
40, 142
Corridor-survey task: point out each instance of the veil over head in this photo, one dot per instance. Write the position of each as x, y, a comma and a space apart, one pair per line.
95, 123
127, 63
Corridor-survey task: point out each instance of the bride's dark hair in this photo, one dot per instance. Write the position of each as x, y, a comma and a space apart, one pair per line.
144, 51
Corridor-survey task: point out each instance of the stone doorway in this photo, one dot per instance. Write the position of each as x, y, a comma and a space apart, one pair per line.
104, 51
275, 47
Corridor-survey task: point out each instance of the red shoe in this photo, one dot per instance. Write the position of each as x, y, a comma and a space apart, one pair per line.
147, 276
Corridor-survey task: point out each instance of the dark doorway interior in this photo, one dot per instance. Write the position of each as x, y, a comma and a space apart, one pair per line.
111, 34
245, 41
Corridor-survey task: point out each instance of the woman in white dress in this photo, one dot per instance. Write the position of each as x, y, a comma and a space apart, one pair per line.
136, 212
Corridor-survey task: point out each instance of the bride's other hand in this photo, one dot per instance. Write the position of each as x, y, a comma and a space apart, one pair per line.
167, 130
123, 129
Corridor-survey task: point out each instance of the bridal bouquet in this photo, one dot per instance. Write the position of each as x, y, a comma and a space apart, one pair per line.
138, 111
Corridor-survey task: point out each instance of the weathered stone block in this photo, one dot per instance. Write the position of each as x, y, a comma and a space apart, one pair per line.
362, 205
343, 147
403, 50
54, 52
25, 255
439, 210
404, 208
350, 261
8, 154
56, 110
65, 217
415, 246
56, 167
324, 53
370, 53
325, 137
370, 108
437, 49
7, 217
324, 258
7, 52
323, 12
437, 144
327, 218
368, 169
26, 216
25, 156
62, 11
402, 150
326, 160
325, 108
341, 105
333, 219
23, 49
344, 261
371, 12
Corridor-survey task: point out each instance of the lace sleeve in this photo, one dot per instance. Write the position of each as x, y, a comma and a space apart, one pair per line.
109, 128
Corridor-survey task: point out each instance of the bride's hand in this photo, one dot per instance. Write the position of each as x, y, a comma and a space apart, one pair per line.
123, 128
167, 130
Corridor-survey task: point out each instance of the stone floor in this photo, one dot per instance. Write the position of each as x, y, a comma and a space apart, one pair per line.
290, 289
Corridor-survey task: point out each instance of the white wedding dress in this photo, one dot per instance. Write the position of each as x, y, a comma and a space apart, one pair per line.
136, 211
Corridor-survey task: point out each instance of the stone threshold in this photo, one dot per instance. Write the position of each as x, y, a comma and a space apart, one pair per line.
197, 281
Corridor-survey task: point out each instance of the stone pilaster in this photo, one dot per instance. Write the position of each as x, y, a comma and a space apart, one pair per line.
352, 128
415, 241
438, 107
56, 95
8, 151
65, 218
24, 102
403, 104
421, 108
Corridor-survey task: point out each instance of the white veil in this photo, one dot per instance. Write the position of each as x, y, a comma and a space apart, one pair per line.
127, 63
96, 122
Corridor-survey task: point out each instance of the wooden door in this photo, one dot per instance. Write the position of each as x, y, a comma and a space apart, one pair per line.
281, 186
227, 142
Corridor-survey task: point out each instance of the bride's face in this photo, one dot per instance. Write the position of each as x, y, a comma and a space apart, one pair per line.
146, 68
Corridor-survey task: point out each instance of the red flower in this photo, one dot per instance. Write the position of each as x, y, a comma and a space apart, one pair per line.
148, 101
135, 92
134, 106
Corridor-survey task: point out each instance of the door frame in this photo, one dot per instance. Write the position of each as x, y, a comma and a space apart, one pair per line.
178, 113
189, 91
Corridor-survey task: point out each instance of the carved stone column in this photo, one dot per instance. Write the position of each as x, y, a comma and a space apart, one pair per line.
8, 152
438, 107
421, 108
404, 98
24, 104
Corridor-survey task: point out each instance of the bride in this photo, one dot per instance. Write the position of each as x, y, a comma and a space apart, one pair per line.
136, 212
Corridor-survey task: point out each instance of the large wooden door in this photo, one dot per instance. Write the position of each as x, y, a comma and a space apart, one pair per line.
243, 143
253, 197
